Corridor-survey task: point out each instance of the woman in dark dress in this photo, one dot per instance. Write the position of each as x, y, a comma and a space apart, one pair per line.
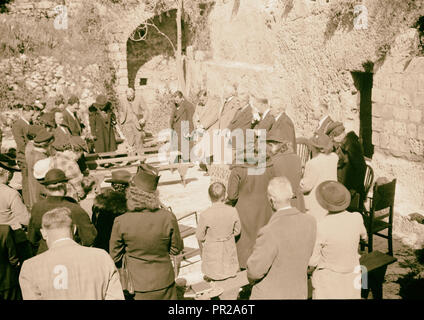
146, 236
351, 169
102, 124
106, 207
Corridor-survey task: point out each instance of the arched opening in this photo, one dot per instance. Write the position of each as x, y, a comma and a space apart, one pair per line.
157, 36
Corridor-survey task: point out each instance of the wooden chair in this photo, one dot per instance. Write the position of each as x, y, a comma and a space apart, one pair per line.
187, 253
382, 207
303, 151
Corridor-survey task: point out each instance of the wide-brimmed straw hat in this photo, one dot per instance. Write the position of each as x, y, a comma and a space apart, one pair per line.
333, 196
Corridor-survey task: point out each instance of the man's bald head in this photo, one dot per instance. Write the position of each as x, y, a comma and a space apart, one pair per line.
279, 193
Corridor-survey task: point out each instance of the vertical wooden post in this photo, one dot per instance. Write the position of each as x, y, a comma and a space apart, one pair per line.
179, 61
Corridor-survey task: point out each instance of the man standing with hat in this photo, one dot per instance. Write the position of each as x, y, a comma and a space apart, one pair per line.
55, 183
287, 164
36, 149
20, 131
338, 273
70, 116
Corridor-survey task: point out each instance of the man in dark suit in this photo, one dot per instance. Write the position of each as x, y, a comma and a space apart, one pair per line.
182, 122
61, 133
278, 265
9, 263
20, 132
287, 164
283, 126
70, 117
55, 183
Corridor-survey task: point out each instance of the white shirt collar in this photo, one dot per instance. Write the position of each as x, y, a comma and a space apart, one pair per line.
26, 121
279, 115
71, 113
322, 120
265, 113
285, 208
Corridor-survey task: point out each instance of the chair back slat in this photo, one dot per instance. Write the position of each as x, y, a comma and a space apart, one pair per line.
369, 179
384, 196
303, 151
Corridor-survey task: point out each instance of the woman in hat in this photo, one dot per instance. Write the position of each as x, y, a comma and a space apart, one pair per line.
338, 272
120, 180
322, 167
106, 207
102, 121
145, 237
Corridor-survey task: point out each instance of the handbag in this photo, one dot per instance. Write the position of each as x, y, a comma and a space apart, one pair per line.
126, 281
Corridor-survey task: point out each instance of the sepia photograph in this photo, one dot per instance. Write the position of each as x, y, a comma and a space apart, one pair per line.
230, 151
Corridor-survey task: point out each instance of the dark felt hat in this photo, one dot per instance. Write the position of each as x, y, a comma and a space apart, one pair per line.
54, 176
321, 143
47, 119
101, 101
77, 141
146, 179
43, 138
333, 196
33, 130
73, 99
334, 129
8, 162
120, 176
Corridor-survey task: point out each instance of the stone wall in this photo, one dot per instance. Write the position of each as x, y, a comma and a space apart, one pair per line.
274, 49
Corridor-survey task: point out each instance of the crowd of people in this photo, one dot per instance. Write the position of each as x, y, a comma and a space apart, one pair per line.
279, 225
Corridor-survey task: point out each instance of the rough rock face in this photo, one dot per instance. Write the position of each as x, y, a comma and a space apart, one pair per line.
44, 77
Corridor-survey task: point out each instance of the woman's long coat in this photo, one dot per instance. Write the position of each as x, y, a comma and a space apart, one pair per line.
249, 191
103, 131
217, 228
147, 238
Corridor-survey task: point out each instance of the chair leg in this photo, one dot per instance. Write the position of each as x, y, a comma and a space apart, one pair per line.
390, 240
370, 242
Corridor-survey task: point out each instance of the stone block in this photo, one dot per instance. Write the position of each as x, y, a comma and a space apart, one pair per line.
377, 124
45, 5
384, 140
375, 138
378, 95
410, 84
123, 81
396, 81
388, 127
122, 73
404, 146
415, 115
401, 114
419, 100
412, 130
395, 146
377, 109
392, 97
421, 132
400, 129
387, 111
421, 83
404, 100
114, 47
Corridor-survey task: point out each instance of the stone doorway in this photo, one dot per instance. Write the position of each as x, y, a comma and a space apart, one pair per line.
363, 83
